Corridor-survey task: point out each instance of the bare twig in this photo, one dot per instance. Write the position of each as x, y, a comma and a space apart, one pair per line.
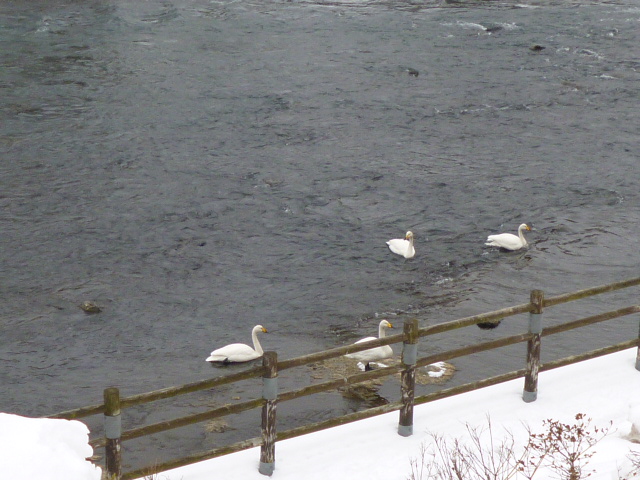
565, 448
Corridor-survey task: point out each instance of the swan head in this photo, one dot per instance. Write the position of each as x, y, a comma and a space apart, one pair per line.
409, 235
524, 226
260, 328
386, 324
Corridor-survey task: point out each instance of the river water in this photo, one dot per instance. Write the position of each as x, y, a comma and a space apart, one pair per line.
198, 167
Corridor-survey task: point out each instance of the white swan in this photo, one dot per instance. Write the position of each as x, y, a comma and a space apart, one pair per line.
239, 352
373, 354
403, 246
509, 240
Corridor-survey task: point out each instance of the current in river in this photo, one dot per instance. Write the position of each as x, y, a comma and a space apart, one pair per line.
199, 167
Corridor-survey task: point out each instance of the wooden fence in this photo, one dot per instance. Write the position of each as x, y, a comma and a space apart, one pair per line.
271, 366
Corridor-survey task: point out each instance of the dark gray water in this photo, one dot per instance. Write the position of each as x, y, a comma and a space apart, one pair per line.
198, 167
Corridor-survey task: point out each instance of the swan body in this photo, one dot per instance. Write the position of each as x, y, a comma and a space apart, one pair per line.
239, 352
373, 354
403, 246
509, 241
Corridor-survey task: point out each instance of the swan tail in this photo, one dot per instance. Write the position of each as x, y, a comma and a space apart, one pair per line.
217, 358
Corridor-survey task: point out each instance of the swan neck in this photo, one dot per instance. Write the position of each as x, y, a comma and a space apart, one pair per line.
381, 331
521, 235
256, 343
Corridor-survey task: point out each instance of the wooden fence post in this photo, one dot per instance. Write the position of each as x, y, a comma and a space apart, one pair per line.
408, 377
530, 393
112, 432
270, 394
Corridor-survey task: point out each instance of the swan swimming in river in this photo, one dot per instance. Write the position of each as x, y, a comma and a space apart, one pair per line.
509, 241
239, 352
403, 246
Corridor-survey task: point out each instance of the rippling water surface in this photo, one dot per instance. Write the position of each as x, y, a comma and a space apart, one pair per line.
199, 167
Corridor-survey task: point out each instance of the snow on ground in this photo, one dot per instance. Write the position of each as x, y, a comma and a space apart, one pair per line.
45, 449
606, 389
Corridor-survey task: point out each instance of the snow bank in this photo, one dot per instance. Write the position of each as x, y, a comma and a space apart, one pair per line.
45, 449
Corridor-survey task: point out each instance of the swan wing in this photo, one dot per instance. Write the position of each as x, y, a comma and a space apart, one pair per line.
377, 353
505, 240
236, 352
400, 246
372, 354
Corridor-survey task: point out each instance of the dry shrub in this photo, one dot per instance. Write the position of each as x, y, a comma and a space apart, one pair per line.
564, 448
634, 457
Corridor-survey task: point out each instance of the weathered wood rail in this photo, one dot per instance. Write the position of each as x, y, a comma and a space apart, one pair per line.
271, 367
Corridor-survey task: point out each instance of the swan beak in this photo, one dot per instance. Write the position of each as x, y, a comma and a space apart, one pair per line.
390, 324
528, 228
265, 330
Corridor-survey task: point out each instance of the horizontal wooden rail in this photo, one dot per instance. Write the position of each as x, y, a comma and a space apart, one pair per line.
148, 472
183, 421
474, 319
79, 412
480, 347
168, 392
563, 362
254, 372
525, 307
583, 322
487, 382
589, 292
468, 387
